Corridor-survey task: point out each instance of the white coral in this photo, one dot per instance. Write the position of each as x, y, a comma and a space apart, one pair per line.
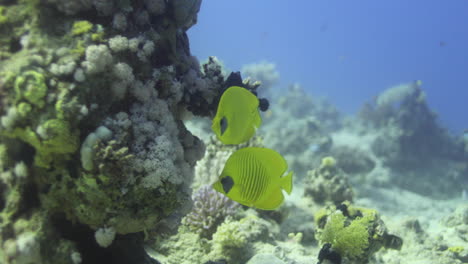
98, 58
105, 236
124, 76
9, 120
87, 148
63, 68
21, 170
118, 43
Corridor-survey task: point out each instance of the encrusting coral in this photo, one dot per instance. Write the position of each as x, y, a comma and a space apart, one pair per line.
327, 183
93, 97
232, 242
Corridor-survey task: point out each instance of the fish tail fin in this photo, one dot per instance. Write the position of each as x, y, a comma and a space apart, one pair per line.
286, 182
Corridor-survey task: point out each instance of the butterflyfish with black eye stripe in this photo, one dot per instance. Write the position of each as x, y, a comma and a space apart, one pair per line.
237, 117
254, 177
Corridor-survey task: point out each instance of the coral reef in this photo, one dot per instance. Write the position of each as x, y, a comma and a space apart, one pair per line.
408, 135
305, 139
92, 137
328, 183
97, 157
210, 209
354, 233
353, 161
232, 242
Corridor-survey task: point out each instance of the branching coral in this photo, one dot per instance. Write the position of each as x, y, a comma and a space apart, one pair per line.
210, 208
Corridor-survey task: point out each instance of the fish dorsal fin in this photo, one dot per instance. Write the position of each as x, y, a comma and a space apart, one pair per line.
273, 161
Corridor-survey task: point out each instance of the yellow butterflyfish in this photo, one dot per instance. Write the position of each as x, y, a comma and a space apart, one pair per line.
237, 117
253, 177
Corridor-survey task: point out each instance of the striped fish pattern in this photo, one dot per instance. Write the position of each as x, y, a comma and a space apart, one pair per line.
253, 177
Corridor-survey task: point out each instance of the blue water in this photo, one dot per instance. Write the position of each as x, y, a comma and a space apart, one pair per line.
348, 51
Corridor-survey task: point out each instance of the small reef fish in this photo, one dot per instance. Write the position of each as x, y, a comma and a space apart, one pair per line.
237, 117
252, 177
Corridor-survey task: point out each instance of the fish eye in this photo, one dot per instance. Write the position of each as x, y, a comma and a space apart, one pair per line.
227, 183
223, 124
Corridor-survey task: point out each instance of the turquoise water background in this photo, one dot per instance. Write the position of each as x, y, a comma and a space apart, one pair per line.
348, 51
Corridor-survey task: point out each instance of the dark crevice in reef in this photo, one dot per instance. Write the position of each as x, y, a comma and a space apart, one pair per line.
125, 249
2, 198
23, 152
15, 45
30, 200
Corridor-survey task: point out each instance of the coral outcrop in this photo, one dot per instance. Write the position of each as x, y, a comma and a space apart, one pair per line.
305, 139
409, 139
351, 233
92, 136
328, 184
210, 209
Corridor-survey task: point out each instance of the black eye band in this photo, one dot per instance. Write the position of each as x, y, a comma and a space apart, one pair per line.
223, 124
227, 183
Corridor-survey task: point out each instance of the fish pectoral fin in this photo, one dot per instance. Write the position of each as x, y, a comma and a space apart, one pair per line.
255, 127
272, 201
287, 182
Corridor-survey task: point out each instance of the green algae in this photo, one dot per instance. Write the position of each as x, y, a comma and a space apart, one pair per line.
60, 140
350, 240
353, 232
81, 27
31, 86
3, 17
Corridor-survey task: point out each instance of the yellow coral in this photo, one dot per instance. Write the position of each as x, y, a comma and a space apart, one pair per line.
320, 215
60, 140
24, 109
3, 18
229, 234
456, 249
32, 87
351, 240
328, 162
81, 27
